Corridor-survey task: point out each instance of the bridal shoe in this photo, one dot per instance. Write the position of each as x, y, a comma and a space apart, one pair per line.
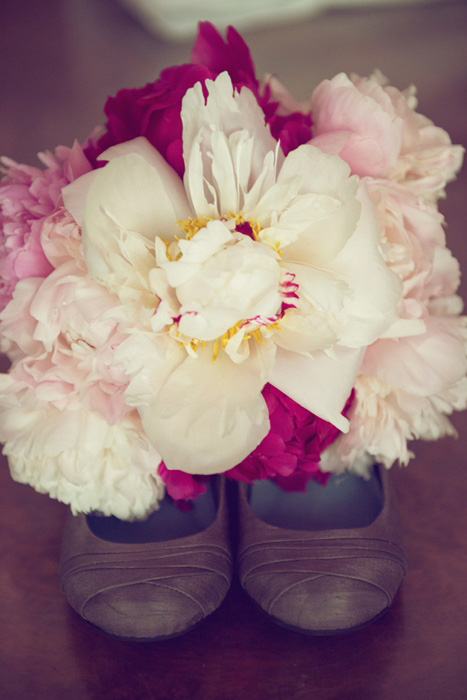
153, 579
326, 561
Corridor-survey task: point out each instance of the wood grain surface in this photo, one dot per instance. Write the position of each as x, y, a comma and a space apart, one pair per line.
58, 62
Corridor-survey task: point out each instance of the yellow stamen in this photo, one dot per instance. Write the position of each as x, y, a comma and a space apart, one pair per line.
192, 225
274, 326
221, 342
256, 335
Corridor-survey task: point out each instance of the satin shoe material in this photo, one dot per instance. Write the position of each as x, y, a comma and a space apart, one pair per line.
151, 590
322, 581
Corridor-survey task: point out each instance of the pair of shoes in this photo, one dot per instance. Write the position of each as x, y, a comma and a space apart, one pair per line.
323, 562
149, 580
336, 573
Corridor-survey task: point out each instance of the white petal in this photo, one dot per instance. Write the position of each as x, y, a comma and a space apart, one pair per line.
128, 203
202, 195
321, 288
305, 333
206, 323
326, 211
403, 327
207, 242
319, 172
210, 415
149, 360
224, 172
171, 200
74, 195
376, 291
319, 383
225, 143
138, 196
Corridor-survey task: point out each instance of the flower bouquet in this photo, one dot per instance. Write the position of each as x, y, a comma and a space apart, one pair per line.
223, 280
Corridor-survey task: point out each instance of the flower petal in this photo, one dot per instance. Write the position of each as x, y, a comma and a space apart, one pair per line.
74, 195
217, 147
377, 290
76, 457
424, 364
331, 210
128, 204
320, 383
173, 206
209, 415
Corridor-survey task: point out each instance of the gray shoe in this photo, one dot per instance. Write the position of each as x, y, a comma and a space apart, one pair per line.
335, 573
149, 580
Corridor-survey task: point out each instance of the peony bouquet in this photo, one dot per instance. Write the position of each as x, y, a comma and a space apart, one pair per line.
224, 280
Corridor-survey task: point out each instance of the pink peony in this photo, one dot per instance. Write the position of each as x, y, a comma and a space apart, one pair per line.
407, 386
63, 346
414, 243
154, 110
376, 130
27, 197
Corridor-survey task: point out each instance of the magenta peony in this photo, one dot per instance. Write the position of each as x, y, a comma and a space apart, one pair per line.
290, 454
154, 111
181, 486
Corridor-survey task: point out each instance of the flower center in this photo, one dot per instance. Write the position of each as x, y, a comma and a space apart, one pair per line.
248, 227
230, 285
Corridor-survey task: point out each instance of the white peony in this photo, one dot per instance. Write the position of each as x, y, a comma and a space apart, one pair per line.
256, 268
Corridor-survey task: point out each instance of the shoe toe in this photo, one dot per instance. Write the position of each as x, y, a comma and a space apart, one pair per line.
321, 595
144, 610
150, 598
326, 604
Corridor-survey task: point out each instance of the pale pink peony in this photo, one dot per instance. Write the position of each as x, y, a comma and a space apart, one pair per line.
407, 386
63, 343
76, 456
64, 421
27, 197
384, 418
376, 130
410, 383
414, 244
